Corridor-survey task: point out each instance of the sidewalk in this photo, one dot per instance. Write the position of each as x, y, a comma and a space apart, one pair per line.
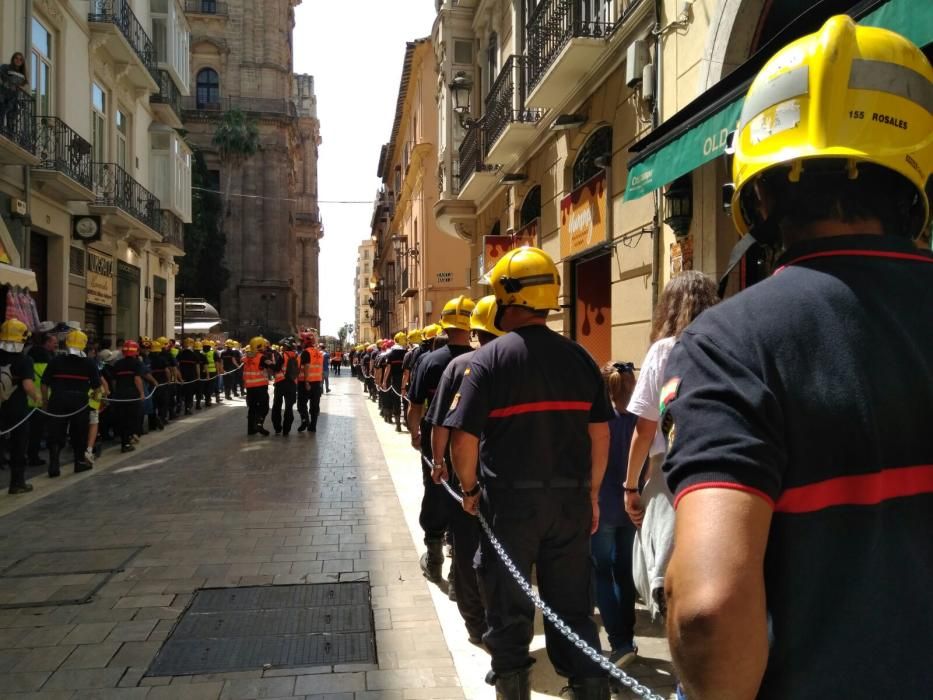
653, 667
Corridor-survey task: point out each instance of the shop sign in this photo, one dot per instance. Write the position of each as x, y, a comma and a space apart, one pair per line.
99, 279
583, 217
494, 247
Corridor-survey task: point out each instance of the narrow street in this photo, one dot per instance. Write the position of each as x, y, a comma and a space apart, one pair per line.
201, 506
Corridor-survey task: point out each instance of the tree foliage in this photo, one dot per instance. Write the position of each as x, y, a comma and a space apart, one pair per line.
202, 272
236, 139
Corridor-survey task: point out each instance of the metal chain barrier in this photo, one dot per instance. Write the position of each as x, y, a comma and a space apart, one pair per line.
110, 400
604, 663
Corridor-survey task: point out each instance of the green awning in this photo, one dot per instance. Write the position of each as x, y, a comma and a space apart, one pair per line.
705, 140
910, 18
687, 152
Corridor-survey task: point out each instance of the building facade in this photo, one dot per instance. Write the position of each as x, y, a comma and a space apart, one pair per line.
95, 181
362, 329
597, 129
241, 59
417, 268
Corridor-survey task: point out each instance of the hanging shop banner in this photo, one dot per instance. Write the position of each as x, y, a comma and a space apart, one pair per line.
494, 247
583, 217
99, 279
527, 235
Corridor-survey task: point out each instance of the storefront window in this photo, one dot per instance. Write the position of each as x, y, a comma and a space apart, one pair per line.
128, 277
598, 145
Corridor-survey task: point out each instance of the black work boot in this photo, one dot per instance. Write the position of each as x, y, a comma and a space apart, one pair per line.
55, 468
432, 561
589, 688
511, 685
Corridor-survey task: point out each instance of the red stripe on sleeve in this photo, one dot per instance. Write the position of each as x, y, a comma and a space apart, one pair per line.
861, 490
732, 486
540, 407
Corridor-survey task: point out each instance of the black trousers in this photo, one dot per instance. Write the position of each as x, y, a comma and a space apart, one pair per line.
549, 530
257, 407
285, 392
436, 504
231, 384
189, 392
16, 443
465, 534
309, 402
76, 425
126, 417
38, 425
205, 389
161, 401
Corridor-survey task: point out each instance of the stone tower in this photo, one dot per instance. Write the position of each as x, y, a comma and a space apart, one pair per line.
241, 58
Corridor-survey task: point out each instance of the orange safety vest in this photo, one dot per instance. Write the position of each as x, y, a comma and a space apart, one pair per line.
313, 370
287, 356
254, 377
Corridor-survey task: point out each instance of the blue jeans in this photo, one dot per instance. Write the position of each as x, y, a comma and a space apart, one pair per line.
611, 548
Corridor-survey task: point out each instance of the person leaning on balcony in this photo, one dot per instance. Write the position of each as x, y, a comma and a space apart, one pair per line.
12, 81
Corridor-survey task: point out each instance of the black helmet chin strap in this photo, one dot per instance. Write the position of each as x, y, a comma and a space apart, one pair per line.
763, 233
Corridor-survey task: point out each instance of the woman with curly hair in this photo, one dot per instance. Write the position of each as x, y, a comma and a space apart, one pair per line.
648, 501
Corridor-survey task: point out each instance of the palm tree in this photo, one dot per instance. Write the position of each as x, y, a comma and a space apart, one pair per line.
237, 140
345, 330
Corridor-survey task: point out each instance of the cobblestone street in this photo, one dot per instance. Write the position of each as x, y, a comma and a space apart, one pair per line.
203, 506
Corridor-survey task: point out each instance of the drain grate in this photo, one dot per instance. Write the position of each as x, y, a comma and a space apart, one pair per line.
237, 629
61, 577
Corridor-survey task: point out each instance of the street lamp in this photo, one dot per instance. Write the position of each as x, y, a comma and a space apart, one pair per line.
400, 245
461, 90
679, 206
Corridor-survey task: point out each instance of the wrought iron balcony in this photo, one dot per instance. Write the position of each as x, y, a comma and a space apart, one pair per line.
17, 125
206, 7
115, 188
554, 24
173, 232
120, 14
62, 151
505, 105
255, 105
167, 101
473, 152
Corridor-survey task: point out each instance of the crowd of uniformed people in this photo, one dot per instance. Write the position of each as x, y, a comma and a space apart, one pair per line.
55, 389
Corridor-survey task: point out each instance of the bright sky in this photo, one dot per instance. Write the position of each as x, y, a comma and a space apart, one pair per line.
355, 51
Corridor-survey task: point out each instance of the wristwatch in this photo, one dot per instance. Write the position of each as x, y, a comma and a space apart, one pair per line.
473, 491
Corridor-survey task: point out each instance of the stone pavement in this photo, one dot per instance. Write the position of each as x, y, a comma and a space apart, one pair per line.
652, 668
210, 507
202, 505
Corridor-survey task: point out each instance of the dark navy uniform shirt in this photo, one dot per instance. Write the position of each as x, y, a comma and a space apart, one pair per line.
814, 391
124, 374
16, 406
394, 358
69, 378
188, 362
531, 395
448, 387
425, 381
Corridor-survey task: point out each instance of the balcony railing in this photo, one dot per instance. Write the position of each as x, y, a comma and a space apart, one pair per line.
17, 121
60, 148
306, 208
173, 230
206, 7
552, 26
473, 152
505, 103
261, 105
115, 188
119, 13
168, 93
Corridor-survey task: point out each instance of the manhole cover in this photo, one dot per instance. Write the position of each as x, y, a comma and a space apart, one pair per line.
63, 577
237, 629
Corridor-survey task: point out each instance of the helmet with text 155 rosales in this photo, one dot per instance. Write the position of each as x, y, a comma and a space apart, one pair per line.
859, 94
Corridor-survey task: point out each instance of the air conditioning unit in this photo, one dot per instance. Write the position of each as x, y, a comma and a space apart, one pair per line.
636, 57
18, 207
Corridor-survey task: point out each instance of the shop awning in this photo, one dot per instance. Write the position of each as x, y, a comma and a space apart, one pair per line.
18, 277
696, 134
